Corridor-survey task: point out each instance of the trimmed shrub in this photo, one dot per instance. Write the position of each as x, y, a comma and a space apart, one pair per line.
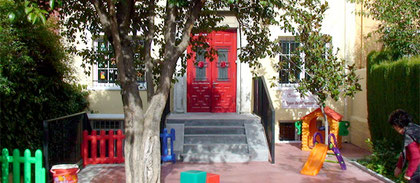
391, 85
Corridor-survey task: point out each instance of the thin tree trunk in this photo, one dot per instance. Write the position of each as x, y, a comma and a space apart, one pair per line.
326, 124
148, 49
150, 150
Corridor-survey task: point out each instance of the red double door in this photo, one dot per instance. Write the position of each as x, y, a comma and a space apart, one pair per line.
211, 85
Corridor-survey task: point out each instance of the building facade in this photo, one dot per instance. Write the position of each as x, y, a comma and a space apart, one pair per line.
225, 85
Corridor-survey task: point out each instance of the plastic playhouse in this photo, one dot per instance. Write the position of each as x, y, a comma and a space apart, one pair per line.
313, 129
310, 124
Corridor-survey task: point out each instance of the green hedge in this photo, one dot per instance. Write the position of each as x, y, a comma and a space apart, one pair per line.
36, 80
391, 85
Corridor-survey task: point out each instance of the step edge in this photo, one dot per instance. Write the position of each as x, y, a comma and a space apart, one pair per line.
214, 144
242, 127
219, 135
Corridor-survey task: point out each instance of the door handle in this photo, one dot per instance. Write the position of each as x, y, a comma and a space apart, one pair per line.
215, 83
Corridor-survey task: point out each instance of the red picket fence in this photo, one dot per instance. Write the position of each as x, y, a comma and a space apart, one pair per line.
90, 142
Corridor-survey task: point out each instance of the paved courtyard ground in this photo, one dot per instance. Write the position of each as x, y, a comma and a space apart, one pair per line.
289, 161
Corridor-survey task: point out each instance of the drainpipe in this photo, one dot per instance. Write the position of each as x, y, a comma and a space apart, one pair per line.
345, 52
238, 64
346, 99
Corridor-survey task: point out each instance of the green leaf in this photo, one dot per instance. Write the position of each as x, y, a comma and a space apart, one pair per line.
44, 12
12, 16
43, 19
35, 19
28, 9
52, 4
31, 17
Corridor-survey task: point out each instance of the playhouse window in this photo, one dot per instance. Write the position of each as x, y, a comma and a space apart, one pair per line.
319, 123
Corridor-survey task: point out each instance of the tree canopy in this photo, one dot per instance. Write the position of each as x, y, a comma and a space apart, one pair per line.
399, 24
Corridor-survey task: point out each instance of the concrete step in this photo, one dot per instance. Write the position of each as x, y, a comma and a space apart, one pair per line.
216, 157
216, 148
215, 122
214, 139
214, 130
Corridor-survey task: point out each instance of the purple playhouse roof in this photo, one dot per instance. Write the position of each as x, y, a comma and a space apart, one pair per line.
329, 112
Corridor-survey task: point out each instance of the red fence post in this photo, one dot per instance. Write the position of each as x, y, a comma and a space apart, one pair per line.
120, 137
102, 138
94, 147
111, 146
102, 147
85, 148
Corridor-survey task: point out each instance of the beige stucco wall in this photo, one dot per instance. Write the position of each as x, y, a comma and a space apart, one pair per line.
358, 114
101, 99
364, 44
357, 107
339, 22
109, 101
290, 115
348, 31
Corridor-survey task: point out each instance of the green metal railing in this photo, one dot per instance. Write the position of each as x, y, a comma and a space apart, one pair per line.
27, 160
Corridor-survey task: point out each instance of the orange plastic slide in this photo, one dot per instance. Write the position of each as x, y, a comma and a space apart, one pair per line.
316, 160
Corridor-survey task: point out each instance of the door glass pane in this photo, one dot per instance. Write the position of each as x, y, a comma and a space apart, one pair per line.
222, 65
200, 66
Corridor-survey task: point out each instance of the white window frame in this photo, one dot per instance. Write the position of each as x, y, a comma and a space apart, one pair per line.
96, 85
287, 85
282, 86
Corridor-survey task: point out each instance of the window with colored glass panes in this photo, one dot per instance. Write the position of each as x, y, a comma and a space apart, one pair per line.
107, 66
106, 70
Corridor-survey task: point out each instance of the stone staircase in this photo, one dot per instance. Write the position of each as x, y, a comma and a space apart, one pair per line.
209, 137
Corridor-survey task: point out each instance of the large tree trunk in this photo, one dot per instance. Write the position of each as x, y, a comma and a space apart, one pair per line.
150, 146
133, 110
142, 142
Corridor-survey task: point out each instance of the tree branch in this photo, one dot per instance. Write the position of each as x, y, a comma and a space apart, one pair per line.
125, 10
170, 26
103, 15
112, 11
189, 24
148, 45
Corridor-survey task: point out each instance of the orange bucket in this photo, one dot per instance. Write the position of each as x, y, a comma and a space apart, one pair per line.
65, 173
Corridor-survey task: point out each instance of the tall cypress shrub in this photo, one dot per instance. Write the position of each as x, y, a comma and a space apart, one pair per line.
391, 85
